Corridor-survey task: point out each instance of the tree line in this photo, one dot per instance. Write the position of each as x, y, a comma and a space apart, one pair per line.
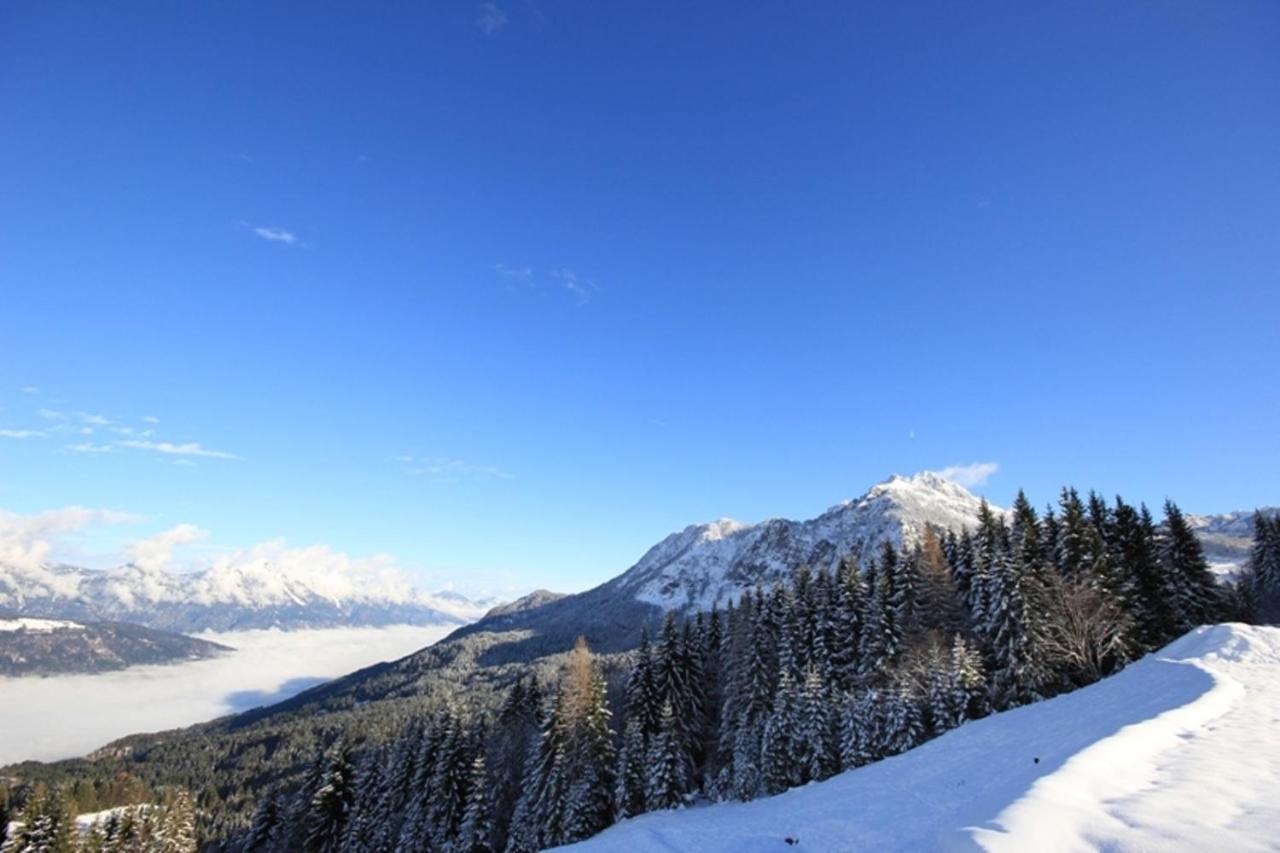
836, 668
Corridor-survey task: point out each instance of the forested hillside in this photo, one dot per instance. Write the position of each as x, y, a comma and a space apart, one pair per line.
829, 670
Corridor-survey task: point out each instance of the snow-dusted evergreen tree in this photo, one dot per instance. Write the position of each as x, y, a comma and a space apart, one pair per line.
1149, 594
861, 726
174, 830
1197, 598
569, 785
1260, 582
447, 797
330, 803
47, 825
642, 700
666, 782
850, 611
778, 760
903, 722
632, 761
263, 826
881, 633
475, 835
816, 755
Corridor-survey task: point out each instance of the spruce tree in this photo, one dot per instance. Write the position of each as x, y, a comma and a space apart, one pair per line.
475, 835
1197, 600
330, 803
262, 827
850, 612
816, 755
666, 783
631, 780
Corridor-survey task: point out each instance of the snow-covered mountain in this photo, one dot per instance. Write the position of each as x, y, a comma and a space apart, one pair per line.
232, 595
1176, 752
1227, 538
711, 563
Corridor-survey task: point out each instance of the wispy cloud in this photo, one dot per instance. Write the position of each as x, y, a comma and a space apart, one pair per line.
523, 273
90, 447
150, 419
93, 420
186, 448
21, 433
445, 470
30, 389
277, 235
491, 18
973, 474
52, 415
562, 279
574, 284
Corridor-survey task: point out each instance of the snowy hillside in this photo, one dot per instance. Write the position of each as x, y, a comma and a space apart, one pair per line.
708, 563
1177, 752
308, 589
54, 646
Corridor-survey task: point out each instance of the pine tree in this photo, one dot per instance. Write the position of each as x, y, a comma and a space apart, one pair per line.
850, 612
262, 827
815, 751
476, 832
666, 782
631, 781
1260, 582
569, 782
47, 825
778, 767
330, 803
1197, 600
861, 727
175, 830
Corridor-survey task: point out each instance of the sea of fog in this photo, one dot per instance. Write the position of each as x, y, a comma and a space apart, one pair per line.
69, 715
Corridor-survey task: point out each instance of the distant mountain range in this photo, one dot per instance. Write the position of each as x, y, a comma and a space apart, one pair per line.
54, 647
229, 597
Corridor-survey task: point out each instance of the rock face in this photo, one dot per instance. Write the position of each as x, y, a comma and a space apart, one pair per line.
230, 596
31, 646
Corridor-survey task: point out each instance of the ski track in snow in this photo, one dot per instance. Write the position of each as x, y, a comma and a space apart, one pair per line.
62, 716
1179, 752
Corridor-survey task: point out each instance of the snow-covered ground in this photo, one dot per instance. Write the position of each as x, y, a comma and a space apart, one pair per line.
1180, 751
65, 716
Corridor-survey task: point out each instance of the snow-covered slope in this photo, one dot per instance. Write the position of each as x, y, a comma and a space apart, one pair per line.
1177, 752
709, 563
309, 589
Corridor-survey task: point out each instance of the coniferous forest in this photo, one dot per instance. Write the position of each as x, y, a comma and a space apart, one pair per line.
839, 667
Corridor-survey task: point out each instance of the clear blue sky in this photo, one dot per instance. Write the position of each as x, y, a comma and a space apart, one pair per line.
599, 270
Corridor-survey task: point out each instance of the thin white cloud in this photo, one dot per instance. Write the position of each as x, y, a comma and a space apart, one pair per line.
30, 389
187, 448
525, 273
156, 552
21, 433
973, 474
90, 447
52, 415
277, 235
491, 18
445, 470
94, 420
150, 419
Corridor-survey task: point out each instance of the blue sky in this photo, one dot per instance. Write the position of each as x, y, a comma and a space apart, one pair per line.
511, 290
